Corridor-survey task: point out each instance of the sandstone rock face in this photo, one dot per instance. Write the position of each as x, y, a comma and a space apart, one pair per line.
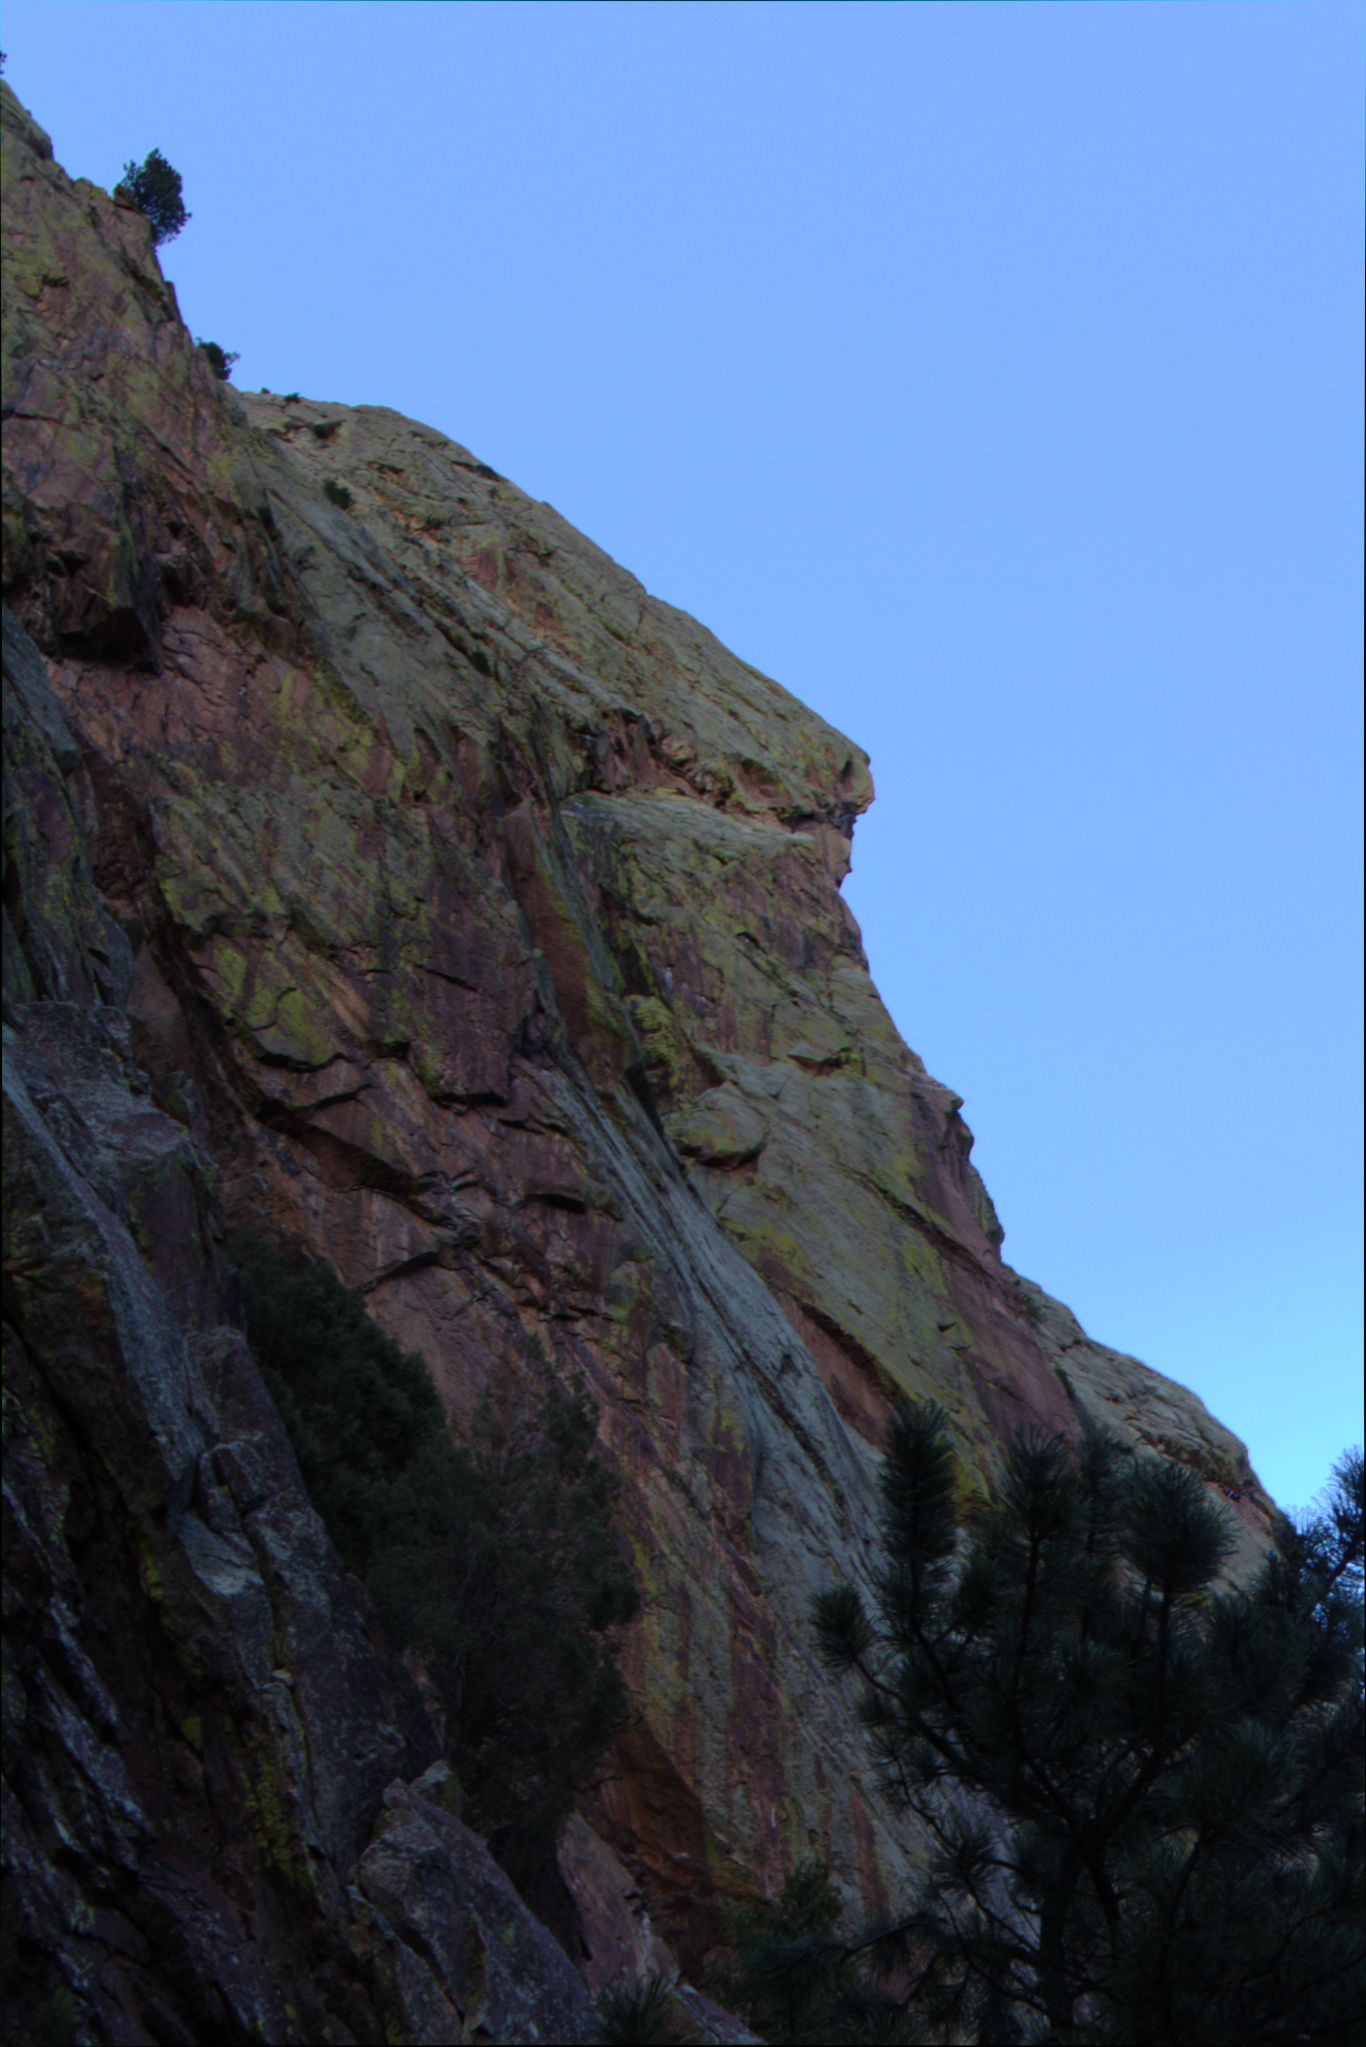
200, 1714
490, 909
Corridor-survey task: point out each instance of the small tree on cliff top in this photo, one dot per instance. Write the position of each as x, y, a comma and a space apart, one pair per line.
1142, 1792
221, 360
155, 189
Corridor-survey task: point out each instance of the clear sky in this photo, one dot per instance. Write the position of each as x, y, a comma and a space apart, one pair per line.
988, 374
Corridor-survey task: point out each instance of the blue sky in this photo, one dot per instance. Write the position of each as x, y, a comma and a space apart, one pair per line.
989, 374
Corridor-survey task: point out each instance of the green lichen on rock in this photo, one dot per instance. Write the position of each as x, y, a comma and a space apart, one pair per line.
662, 1045
271, 1809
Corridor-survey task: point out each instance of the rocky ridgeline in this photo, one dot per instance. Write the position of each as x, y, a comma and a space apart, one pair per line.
386, 866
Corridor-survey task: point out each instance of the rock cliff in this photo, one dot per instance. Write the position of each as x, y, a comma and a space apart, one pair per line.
382, 861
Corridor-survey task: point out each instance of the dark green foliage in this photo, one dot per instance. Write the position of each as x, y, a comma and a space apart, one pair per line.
56, 2025
220, 362
358, 1409
496, 1561
155, 189
500, 1564
1143, 1790
780, 1977
647, 2016
338, 494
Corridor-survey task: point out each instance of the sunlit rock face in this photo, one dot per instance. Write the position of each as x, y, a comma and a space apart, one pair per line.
481, 914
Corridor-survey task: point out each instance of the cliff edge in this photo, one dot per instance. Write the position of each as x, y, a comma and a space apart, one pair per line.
400, 873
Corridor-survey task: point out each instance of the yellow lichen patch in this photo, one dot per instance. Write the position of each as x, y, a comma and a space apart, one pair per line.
271, 1812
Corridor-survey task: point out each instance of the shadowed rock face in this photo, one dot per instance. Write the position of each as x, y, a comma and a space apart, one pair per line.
479, 916
201, 1717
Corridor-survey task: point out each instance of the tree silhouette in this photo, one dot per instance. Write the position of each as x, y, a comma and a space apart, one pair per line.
497, 1561
155, 189
220, 360
1142, 1787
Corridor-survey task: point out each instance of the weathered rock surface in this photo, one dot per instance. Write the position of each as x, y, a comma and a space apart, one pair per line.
468, 1960
200, 1714
490, 909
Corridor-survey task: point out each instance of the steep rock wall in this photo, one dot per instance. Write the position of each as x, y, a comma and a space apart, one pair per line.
220, 1822
491, 909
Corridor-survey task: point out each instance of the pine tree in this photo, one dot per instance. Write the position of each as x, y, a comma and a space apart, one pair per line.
499, 1563
155, 189
221, 360
496, 1561
1141, 1786
788, 2006
646, 2014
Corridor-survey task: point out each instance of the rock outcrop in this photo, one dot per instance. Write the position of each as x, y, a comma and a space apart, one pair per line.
389, 865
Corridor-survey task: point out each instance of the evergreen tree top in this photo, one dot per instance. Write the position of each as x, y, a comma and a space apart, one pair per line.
1141, 1785
155, 189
